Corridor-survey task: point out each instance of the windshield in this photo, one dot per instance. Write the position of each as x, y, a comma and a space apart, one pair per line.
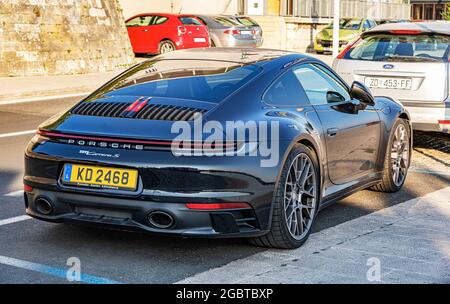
347, 24
390, 47
203, 80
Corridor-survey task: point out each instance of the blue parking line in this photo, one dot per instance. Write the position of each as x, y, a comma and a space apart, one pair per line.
57, 272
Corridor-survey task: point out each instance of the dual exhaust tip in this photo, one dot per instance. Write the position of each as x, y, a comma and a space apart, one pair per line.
161, 219
43, 205
158, 219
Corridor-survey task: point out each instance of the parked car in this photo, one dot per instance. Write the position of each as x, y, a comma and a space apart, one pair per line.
116, 158
349, 30
409, 62
247, 21
384, 21
225, 32
156, 33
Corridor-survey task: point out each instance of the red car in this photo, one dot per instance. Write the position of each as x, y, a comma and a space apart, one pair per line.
156, 33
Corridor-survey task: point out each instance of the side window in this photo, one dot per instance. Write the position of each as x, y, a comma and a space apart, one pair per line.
316, 83
189, 21
366, 25
139, 21
159, 20
286, 91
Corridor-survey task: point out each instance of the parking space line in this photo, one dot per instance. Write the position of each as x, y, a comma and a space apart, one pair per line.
17, 193
4, 135
433, 172
15, 219
53, 271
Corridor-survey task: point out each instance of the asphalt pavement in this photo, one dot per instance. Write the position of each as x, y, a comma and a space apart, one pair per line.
32, 251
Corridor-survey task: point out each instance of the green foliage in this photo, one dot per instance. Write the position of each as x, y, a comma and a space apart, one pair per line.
446, 13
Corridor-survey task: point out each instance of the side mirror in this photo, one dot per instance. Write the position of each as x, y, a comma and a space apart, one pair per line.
333, 96
362, 93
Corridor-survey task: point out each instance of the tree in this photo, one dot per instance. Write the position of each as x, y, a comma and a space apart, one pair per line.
446, 13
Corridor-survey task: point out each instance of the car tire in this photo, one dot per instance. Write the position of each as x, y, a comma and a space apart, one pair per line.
166, 46
395, 162
282, 234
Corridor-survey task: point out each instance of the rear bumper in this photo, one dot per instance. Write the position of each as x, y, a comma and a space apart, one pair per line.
233, 42
132, 215
166, 184
433, 117
189, 43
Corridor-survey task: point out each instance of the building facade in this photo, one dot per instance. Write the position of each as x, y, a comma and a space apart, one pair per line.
287, 24
428, 9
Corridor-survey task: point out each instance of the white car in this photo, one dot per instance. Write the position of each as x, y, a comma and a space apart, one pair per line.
408, 62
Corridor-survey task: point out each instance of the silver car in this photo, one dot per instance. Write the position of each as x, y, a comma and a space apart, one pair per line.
408, 62
247, 21
225, 32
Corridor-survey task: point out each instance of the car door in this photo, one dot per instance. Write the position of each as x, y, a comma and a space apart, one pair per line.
351, 136
139, 33
159, 29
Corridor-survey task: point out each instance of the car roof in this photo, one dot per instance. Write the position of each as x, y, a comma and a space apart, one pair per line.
236, 55
155, 14
427, 27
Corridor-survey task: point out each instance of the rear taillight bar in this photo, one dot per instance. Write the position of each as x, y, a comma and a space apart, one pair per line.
444, 122
217, 206
131, 141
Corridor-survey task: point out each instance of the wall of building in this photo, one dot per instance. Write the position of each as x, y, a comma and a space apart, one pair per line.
51, 37
133, 7
294, 34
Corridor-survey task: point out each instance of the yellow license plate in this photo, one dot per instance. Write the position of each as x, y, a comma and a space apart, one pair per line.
100, 177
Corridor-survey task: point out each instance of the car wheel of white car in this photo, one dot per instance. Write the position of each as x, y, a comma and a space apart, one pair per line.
396, 162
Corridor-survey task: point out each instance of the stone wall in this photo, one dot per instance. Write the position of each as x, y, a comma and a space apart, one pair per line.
54, 37
290, 33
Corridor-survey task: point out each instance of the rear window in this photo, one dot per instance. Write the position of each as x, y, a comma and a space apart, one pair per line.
225, 21
390, 47
246, 21
189, 21
210, 81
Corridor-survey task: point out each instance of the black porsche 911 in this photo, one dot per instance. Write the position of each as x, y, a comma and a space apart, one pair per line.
302, 139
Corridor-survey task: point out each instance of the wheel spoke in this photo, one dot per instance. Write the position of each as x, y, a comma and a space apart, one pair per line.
399, 154
299, 196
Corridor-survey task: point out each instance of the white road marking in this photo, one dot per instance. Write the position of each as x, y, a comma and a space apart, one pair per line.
53, 271
15, 219
4, 135
17, 193
25, 100
428, 171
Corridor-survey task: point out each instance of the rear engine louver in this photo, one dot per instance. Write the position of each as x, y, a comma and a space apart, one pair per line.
149, 112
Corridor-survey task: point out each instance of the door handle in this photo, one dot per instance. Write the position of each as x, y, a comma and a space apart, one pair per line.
332, 132
145, 30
